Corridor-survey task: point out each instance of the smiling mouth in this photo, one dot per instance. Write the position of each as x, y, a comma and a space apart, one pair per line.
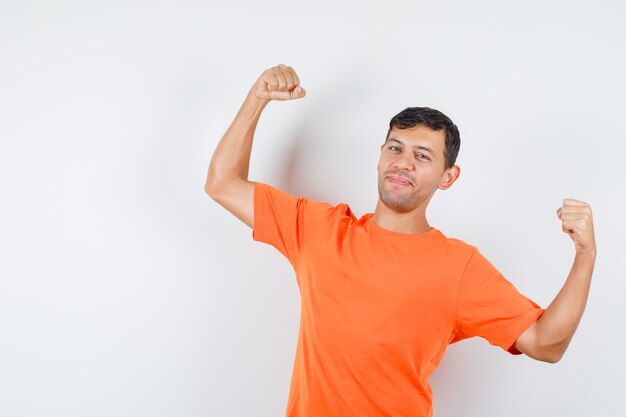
399, 181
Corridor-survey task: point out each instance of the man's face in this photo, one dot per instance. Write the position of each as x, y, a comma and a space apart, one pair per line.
414, 155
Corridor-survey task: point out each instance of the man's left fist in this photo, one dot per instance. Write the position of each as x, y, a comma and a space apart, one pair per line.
578, 223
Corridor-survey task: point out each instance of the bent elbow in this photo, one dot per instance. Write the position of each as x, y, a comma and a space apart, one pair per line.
553, 357
211, 189
552, 360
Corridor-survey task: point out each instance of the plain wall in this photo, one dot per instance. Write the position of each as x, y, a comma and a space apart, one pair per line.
126, 291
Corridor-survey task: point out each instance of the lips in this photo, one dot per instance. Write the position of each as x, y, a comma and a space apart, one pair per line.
399, 180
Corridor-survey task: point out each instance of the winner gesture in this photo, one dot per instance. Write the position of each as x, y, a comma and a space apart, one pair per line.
278, 83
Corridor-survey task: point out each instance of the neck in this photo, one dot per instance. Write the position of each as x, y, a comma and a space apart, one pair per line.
410, 222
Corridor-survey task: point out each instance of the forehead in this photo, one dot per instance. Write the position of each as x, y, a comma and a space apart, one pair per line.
420, 136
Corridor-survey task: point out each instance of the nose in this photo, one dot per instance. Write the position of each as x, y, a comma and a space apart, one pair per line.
404, 161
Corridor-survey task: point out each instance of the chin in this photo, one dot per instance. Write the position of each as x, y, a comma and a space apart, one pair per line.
398, 206
398, 203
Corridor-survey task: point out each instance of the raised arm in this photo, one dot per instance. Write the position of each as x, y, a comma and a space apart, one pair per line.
549, 336
227, 180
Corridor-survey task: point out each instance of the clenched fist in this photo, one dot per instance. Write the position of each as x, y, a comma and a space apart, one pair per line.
578, 223
278, 83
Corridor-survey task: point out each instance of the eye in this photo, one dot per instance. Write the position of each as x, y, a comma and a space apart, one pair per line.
422, 155
392, 146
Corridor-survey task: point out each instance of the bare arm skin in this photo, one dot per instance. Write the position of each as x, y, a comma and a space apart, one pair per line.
549, 336
227, 180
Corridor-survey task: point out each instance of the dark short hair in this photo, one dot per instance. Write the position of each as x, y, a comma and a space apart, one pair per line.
436, 120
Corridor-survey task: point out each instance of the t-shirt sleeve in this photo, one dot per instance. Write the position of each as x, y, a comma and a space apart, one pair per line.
283, 220
491, 307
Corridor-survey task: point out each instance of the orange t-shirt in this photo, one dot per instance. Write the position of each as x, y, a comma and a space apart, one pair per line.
379, 308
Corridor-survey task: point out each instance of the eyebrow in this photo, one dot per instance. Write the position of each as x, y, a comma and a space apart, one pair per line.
414, 147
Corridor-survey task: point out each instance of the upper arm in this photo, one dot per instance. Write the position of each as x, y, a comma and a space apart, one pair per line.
236, 196
491, 307
527, 342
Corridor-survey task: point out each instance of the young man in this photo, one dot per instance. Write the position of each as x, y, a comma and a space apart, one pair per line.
383, 295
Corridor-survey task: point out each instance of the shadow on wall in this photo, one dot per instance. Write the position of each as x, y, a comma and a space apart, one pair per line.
320, 158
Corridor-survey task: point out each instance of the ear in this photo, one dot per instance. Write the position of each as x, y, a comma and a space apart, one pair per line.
449, 176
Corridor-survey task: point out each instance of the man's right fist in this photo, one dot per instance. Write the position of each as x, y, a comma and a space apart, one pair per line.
278, 83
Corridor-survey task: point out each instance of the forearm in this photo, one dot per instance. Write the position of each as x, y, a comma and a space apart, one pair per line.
557, 325
231, 158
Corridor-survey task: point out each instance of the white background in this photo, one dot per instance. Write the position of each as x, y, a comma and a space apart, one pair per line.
126, 291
